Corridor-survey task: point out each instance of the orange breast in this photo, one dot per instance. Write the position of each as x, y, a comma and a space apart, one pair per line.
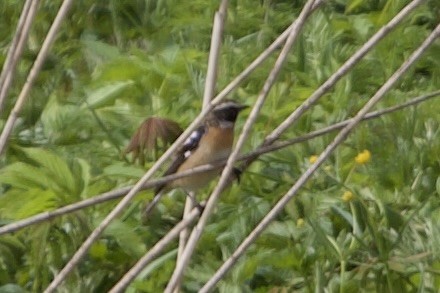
215, 145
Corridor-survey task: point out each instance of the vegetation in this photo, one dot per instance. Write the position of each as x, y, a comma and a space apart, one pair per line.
368, 221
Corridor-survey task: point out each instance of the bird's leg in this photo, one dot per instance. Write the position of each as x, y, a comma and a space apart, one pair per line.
236, 174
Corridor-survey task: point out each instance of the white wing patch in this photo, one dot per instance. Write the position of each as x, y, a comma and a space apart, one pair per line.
192, 142
194, 137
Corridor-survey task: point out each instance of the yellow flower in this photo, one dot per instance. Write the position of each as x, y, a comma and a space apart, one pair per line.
300, 222
313, 159
363, 157
347, 196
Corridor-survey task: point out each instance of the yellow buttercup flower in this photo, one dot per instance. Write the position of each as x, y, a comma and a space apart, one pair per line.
313, 159
347, 196
300, 222
363, 157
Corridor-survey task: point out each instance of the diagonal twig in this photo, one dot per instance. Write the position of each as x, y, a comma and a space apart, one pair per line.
198, 229
260, 59
47, 44
159, 246
214, 54
121, 192
155, 250
236, 82
322, 157
210, 84
331, 81
115, 194
16, 48
124, 202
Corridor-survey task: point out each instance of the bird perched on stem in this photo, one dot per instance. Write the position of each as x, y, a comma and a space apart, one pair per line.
209, 143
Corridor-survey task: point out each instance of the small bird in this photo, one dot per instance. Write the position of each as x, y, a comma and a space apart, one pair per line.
209, 143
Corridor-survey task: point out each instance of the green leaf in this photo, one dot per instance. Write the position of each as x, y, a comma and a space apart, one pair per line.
344, 214
11, 251
106, 94
395, 220
24, 176
154, 265
11, 288
124, 68
281, 229
19, 204
54, 167
121, 169
98, 250
353, 5
65, 123
437, 185
84, 173
12, 242
127, 238
96, 50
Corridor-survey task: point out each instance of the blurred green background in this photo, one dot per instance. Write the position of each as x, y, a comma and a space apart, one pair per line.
369, 224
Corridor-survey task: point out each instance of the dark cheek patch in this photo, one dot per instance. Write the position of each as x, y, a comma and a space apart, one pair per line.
227, 115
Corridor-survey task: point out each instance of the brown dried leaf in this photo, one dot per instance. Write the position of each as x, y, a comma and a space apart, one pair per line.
150, 132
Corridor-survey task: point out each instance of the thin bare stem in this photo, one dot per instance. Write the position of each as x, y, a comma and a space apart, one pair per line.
16, 48
115, 194
152, 204
260, 59
210, 84
154, 251
183, 237
13, 46
35, 70
331, 81
350, 63
81, 252
124, 202
224, 178
214, 54
322, 157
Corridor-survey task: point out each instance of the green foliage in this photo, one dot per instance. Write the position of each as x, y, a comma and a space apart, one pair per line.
357, 226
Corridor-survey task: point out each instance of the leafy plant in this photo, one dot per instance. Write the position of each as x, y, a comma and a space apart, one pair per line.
366, 222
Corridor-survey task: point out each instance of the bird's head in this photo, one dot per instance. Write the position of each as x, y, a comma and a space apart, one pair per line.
226, 113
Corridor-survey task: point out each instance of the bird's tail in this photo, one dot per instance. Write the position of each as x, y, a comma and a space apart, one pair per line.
150, 206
